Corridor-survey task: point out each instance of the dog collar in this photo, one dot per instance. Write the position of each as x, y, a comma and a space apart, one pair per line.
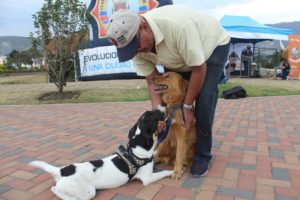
171, 113
172, 110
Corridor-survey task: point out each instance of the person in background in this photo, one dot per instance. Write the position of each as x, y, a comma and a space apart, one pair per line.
230, 66
186, 41
246, 58
285, 69
233, 57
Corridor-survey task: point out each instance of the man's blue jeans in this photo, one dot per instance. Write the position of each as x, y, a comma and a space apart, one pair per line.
206, 102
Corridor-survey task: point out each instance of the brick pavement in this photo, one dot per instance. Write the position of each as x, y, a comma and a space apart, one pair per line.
256, 149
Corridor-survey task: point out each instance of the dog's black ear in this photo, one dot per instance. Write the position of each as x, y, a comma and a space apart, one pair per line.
154, 117
141, 134
158, 115
138, 133
132, 131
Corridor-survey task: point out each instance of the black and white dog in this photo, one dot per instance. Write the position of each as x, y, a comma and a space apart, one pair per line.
79, 181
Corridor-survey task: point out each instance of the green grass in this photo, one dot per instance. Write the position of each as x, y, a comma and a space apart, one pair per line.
31, 78
26, 89
263, 90
105, 95
115, 95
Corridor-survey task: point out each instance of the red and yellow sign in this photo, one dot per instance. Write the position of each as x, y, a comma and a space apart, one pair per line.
294, 56
100, 11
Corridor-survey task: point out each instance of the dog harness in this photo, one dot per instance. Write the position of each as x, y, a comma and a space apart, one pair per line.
133, 162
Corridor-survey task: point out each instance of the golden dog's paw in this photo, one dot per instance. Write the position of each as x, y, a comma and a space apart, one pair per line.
176, 175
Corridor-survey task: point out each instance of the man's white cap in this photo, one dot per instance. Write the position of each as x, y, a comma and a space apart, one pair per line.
122, 31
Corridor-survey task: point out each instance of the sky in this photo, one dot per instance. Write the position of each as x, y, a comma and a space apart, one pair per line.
16, 15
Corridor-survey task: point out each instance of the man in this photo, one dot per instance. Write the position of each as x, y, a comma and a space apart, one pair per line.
246, 57
185, 41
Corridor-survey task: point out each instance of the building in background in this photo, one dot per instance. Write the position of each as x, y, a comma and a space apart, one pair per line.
3, 60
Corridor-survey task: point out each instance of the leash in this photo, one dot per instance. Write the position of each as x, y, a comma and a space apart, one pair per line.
164, 133
168, 121
183, 117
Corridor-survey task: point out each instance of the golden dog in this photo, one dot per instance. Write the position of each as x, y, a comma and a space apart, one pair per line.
178, 148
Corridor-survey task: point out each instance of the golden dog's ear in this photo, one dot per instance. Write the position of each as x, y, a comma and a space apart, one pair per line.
183, 84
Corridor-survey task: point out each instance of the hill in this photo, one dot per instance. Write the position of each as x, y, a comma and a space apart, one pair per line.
289, 25
9, 43
295, 26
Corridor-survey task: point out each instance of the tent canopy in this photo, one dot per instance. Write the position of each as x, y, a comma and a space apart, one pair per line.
245, 29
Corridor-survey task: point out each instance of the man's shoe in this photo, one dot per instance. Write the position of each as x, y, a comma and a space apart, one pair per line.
199, 169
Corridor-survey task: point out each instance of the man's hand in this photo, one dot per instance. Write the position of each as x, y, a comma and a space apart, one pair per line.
187, 119
195, 85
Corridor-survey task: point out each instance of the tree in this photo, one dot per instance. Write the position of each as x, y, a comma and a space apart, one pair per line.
23, 57
14, 59
61, 27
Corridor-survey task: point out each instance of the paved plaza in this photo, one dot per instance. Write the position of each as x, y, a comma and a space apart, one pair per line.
256, 149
